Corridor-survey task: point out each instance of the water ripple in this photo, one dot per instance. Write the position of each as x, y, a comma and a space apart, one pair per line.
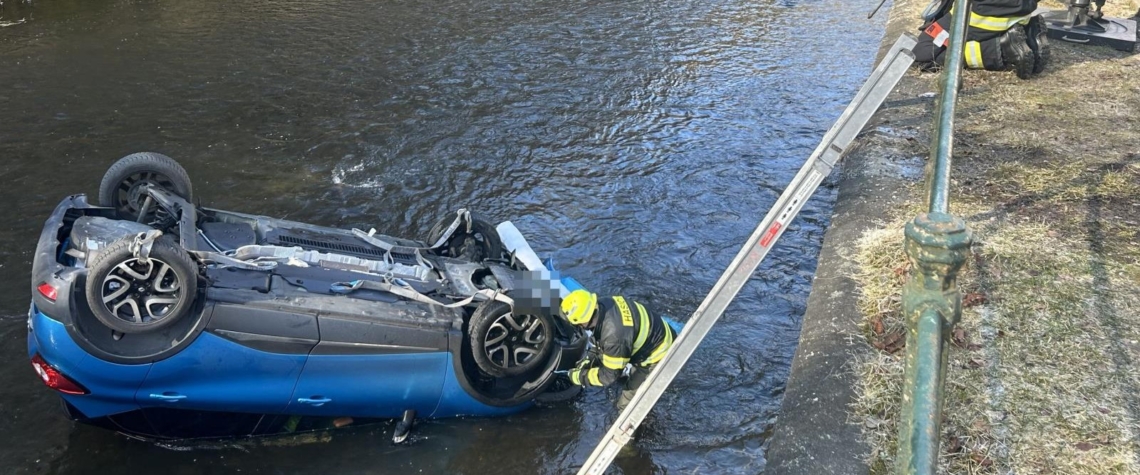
637, 143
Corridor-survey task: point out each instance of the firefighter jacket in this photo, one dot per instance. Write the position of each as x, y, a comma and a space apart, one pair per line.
1003, 8
988, 18
991, 18
627, 333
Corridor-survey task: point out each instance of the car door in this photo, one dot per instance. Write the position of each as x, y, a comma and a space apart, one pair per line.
248, 360
368, 368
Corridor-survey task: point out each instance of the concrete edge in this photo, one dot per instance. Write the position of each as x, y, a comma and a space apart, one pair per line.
813, 433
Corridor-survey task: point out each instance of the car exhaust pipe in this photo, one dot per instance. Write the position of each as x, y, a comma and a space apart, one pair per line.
404, 427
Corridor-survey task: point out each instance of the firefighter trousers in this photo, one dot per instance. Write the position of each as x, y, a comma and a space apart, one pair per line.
983, 47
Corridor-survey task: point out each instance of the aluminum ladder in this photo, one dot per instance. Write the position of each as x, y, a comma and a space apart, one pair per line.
878, 86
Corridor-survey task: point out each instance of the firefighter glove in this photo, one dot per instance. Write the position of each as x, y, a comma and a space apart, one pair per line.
577, 373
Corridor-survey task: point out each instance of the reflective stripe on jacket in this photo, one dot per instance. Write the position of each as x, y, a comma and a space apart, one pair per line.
994, 23
990, 18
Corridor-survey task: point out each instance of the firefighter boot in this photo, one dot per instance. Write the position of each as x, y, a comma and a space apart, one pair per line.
1037, 34
1015, 52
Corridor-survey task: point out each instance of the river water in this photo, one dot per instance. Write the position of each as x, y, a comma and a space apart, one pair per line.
636, 142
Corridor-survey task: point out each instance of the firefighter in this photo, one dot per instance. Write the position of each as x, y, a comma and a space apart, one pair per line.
1002, 35
631, 339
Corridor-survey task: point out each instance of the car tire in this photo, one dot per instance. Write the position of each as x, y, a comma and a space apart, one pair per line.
121, 187
561, 390
481, 243
167, 285
504, 344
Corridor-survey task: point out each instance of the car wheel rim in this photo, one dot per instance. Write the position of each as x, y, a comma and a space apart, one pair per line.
515, 340
141, 293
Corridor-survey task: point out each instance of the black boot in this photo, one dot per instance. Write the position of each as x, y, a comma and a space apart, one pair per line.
1015, 52
1037, 34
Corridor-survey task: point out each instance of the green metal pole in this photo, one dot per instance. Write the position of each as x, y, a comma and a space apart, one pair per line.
937, 244
939, 178
926, 392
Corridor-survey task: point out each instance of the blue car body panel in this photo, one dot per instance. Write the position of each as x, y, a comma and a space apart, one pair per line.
216, 374
370, 385
112, 385
571, 284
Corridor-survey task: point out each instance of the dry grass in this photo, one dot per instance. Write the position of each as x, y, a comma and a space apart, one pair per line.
1072, 181
1035, 381
1043, 374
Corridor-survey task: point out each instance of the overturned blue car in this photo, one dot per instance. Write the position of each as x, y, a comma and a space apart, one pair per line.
159, 318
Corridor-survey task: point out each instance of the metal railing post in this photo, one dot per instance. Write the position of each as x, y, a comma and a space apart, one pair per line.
937, 244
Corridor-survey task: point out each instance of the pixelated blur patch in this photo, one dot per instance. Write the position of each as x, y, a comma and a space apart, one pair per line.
536, 292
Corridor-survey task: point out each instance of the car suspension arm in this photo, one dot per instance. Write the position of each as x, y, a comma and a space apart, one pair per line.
407, 292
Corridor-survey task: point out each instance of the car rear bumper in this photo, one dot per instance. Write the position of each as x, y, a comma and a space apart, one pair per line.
45, 263
112, 386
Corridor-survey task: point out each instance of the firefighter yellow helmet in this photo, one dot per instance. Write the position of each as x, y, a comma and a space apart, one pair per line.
579, 306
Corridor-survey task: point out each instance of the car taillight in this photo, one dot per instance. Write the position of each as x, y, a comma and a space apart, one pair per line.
54, 379
47, 291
